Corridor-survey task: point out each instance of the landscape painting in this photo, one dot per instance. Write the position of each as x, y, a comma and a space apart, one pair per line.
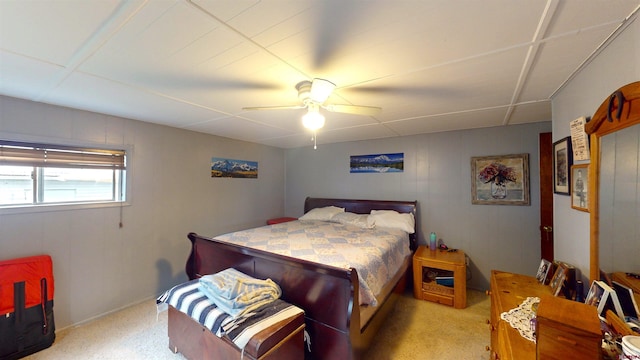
377, 163
230, 168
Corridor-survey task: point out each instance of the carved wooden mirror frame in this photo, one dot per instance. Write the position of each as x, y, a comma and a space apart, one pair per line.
621, 110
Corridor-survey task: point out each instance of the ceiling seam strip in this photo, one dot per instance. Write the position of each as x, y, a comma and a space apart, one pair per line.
464, 111
532, 53
603, 45
89, 47
245, 37
477, 56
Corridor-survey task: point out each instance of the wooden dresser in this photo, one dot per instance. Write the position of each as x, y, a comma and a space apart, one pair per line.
568, 330
509, 290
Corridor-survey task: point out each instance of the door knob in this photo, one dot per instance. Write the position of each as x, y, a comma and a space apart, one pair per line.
547, 228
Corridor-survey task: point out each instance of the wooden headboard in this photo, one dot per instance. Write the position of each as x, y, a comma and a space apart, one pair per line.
365, 207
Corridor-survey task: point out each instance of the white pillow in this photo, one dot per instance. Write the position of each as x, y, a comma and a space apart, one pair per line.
393, 219
349, 218
322, 214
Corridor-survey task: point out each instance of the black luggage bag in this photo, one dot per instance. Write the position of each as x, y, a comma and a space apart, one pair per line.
26, 306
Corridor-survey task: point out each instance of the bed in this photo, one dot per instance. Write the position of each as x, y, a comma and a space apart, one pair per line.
339, 324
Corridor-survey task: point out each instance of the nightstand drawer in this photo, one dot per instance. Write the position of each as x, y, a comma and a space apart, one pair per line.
440, 299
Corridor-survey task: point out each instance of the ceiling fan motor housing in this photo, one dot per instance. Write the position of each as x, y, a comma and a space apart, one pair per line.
304, 91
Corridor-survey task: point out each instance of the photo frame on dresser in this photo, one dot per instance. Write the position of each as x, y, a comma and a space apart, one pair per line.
604, 298
543, 271
563, 281
562, 161
557, 280
627, 300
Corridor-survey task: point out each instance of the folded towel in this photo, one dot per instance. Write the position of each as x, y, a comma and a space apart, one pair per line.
236, 293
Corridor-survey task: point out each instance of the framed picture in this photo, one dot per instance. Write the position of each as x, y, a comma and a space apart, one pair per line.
603, 297
543, 271
230, 168
500, 180
558, 280
579, 180
563, 281
377, 163
627, 300
562, 161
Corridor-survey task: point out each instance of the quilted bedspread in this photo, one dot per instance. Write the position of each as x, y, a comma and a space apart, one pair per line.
376, 254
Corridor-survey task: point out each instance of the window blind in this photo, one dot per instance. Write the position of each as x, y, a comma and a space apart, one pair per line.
45, 155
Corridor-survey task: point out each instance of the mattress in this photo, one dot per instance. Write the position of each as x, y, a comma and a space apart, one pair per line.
376, 254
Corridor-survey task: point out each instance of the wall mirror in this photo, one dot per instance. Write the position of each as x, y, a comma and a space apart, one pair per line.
614, 183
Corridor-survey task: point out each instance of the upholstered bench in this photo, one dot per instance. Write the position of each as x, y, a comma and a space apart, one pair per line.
282, 341
199, 329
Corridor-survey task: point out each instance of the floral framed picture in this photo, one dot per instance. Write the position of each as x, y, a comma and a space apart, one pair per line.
579, 180
500, 180
562, 161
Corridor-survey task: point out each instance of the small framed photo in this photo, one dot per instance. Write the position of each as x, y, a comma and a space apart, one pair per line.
563, 281
604, 298
579, 180
558, 280
543, 271
627, 300
562, 161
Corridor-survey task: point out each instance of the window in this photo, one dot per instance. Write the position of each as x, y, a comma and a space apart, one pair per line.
41, 174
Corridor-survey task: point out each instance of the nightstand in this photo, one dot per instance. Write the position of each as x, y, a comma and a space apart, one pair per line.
433, 273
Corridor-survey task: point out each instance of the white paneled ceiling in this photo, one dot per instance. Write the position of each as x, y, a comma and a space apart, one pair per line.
431, 65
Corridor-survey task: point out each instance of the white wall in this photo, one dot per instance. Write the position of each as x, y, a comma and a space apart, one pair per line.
99, 267
437, 173
617, 65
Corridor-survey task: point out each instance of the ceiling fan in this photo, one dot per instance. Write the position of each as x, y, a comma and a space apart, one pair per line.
313, 95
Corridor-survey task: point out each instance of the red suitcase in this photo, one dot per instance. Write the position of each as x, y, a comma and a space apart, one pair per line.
26, 306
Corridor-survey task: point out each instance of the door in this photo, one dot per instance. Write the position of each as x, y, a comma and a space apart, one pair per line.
546, 196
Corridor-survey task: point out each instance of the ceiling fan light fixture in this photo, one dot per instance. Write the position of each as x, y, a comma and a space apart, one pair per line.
313, 120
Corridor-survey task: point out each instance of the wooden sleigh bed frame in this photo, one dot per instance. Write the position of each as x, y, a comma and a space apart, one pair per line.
328, 295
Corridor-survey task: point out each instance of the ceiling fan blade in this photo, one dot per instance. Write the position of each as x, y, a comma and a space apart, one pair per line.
354, 109
320, 90
284, 107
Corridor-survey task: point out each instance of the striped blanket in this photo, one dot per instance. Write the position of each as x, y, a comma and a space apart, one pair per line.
189, 299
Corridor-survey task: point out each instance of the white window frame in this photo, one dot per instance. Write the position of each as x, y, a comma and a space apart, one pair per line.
41, 155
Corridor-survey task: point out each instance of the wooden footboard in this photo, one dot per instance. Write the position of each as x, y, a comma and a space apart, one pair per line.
328, 295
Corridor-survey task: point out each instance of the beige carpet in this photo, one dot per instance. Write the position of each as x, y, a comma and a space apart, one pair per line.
416, 330
424, 330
